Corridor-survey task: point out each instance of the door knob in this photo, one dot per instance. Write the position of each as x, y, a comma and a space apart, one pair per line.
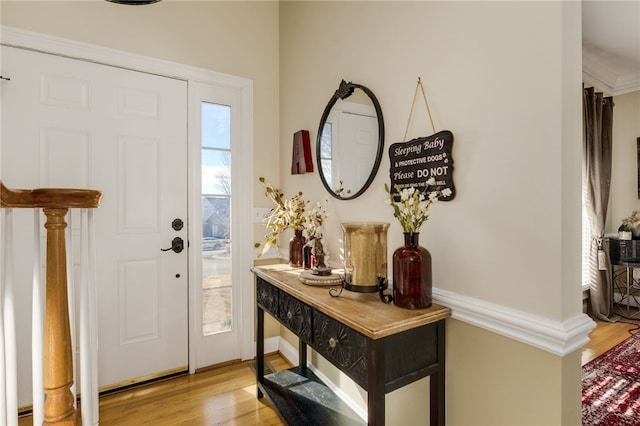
177, 245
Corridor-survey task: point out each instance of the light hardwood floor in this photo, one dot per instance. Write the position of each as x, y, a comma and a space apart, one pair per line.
605, 336
227, 395
219, 396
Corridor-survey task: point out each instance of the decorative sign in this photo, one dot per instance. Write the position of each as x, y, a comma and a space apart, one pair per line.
416, 161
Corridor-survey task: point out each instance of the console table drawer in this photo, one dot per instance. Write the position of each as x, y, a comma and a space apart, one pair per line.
341, 345
267, 296
295, 315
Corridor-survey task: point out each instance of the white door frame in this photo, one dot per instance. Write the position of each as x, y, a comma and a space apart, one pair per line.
14, 37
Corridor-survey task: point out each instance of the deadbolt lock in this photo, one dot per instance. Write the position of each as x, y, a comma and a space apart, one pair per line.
177, 224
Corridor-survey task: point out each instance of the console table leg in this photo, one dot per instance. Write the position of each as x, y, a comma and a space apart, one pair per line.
436, 383
375, 388
435, 400
260, 350
302, 354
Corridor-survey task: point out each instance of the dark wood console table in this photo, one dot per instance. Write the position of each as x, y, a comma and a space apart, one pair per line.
380, 347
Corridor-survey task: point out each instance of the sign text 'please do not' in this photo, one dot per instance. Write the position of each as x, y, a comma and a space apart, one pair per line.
414, 162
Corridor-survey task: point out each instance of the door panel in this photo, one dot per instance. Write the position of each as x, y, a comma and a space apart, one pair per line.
138, 191
70, 123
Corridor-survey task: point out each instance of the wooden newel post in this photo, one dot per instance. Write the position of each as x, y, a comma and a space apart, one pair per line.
59, 406
59, 400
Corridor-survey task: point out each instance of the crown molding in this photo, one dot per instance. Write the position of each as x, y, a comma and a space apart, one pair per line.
627, 84
590, 80
602, 78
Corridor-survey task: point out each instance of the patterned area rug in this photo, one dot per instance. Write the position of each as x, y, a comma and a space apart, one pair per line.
611, 386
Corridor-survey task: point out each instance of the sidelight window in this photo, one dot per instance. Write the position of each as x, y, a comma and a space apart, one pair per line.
216, 219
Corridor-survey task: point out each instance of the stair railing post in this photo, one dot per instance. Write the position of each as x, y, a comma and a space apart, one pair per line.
59, 400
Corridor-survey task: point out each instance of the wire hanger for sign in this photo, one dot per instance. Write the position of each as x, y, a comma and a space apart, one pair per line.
413, 104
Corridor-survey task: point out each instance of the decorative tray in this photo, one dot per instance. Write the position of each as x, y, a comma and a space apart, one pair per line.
308, 278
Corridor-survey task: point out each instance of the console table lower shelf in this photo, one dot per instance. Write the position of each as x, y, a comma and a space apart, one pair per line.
303, 399
380, 347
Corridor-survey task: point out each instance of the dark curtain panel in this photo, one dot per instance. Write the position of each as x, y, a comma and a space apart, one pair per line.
597, 149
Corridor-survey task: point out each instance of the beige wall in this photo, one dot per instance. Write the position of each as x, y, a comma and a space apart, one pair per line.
505, 78
624, 186
500, 96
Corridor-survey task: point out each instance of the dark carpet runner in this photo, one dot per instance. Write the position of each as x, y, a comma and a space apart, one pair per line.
611, 386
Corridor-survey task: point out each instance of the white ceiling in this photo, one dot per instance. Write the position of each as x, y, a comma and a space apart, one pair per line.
611, 45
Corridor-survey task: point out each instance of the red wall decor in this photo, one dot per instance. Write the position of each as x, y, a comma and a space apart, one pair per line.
301, 161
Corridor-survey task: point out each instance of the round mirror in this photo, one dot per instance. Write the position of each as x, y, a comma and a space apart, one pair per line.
350, 141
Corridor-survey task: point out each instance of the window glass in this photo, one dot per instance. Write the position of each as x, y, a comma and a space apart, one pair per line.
216, 126
216, 219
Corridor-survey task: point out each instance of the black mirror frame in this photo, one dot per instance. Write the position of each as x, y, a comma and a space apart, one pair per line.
344, 91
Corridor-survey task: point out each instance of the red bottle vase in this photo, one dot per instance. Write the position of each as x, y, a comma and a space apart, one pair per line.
296, 243
412, 286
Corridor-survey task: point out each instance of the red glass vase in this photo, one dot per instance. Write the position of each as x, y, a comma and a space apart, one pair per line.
412, 286
296, 243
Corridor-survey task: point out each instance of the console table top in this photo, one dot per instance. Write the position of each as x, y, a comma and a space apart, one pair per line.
363, 312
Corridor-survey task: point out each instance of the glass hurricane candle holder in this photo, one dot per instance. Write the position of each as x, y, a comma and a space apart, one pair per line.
365, 257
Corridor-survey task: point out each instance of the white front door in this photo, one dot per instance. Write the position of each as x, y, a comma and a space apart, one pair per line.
71, 123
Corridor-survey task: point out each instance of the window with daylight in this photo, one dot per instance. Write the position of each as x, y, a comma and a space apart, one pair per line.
216, 218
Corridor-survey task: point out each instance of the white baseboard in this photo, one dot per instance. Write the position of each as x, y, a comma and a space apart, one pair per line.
558, 337
288, 351
271, 344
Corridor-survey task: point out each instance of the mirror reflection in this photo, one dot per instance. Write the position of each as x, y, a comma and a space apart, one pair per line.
350, 141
